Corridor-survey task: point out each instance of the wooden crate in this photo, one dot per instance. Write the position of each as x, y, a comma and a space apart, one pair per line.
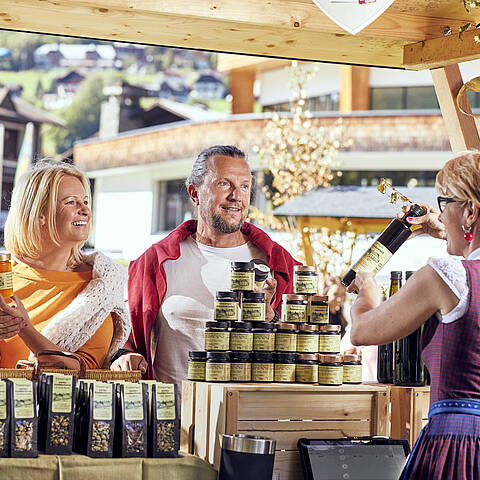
409, 411
282, 412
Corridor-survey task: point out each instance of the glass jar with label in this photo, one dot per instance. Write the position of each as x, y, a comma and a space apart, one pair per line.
264, 337
6, 276
226, 306
318, 311
286, 337
196, 365
217, 368
253, 307
329, 339
262, 367
217, 337
241, 337
307, 338
242, 277
262, 270
330, 370
294, 308
306, 368
305, 280
352, 369
240, 367
284, 369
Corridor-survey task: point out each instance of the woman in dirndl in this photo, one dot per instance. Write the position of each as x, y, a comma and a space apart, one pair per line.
445, 295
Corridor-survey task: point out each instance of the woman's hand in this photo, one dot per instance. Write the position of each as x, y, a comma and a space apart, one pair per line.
429, 223
12, 318
130, 361
269, 289
366, 286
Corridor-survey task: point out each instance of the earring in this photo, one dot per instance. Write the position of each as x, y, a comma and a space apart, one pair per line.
467, 234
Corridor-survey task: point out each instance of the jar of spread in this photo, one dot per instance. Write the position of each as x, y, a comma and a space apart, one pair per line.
217, 336
330, 370
329, 339
261, 272
226, 306
307, 338
196, 365
242, 277
240, 367
318, 311
253, 307
241, 337
305, 280
264, 337
352, 368
262, 367
306, 368
6, 276
217, 368
294, 308
284, 367
286, 337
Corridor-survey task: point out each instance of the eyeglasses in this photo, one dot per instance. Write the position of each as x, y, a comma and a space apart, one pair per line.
442, 202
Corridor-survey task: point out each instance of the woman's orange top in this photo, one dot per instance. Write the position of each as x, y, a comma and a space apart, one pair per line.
45, 293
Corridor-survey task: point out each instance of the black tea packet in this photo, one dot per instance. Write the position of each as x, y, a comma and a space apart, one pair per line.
4, 418
165, 424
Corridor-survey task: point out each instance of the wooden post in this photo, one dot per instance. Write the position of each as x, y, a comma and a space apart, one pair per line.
354, 89
461, 128
241, 89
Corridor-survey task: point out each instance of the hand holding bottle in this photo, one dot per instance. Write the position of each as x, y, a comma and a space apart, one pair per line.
428, 223
365, 284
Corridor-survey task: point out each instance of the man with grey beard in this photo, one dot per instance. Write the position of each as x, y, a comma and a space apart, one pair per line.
172, 286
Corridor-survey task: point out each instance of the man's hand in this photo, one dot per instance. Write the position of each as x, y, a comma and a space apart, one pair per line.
130, 361
269, 289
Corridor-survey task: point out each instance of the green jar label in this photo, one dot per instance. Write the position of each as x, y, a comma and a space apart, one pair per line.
217, 372
262, 372
318, 313
253, 312
196, 370
285, 342
307, 343
352, 374
217, 341
284, 372
328, 343
294, 313
264, 342
243, 281
241, 372
241, 341
305, 284
330, 375
226, 311
306, 373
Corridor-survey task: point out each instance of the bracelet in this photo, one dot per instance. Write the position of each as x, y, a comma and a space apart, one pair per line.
119, 353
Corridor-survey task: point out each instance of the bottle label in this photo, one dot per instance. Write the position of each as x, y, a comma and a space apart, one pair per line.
253, 312
102, 401
217, 341
6, 280
3, 400
330, 375
217, 372
62, 393
294, 313
165, 400
241, 341
242, 281
329, 343
374, 259
241, 372
264, 342
132, 393
306, 373
285, 342
226, 311
307, 343
196, 370
305, 284
318, 313
284, 372
352, 374
262, 372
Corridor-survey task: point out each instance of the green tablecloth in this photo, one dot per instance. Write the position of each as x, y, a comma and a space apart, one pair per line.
79, 467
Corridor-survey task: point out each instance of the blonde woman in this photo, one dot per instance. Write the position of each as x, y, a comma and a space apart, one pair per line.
449, 290
63, 299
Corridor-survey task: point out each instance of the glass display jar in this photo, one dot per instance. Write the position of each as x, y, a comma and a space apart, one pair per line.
306, 368
330, 370
241, 337
307, 338
253, 307
318, 310
305, 280
284, 367
286, 337
226, 306
217, 368
240, 367
217, 337
294, 308
242, 277
196, 365
262, 367
263, 337
329, 339
352, 369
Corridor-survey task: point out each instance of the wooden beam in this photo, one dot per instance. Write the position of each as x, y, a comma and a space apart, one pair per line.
461, 128
241, 89
443, 51
354, 89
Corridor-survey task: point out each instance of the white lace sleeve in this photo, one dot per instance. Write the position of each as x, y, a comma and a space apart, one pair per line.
452, 272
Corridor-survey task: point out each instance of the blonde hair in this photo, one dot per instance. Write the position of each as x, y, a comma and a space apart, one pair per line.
36, 195
460, 177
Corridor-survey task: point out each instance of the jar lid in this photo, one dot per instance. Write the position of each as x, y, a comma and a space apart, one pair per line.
242, 325
243, 265
265, 357
228, 295
243, 357
197, 355
286, 326
330, 358
290, 296
219, 356
319, 298
282, 357
352, 358
330, 328
262, 269
5, 257
307, 327
307, 356
260, 296
216, 324
304, 268
264, 326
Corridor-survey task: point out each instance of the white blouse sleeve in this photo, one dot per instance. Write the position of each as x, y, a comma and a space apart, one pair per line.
453, 273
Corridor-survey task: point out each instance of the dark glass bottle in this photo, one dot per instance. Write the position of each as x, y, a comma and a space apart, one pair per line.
389, 241
408, 369
385, 352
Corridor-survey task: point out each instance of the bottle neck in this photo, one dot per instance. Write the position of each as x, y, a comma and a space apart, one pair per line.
395, 286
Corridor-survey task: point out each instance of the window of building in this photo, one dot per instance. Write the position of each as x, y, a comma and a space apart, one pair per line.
314, 104
403, 98
175, 205
366, 178
10, 144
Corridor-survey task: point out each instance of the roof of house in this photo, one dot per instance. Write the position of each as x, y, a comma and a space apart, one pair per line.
77, 51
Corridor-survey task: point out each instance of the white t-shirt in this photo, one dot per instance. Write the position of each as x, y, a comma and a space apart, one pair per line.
192, 281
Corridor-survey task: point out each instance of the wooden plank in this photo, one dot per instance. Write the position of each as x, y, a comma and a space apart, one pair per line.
402, 405
202, 420
187, 417
287, 465
417, 416
461, 128
241, 88
216, 423
354, 88
380, 413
